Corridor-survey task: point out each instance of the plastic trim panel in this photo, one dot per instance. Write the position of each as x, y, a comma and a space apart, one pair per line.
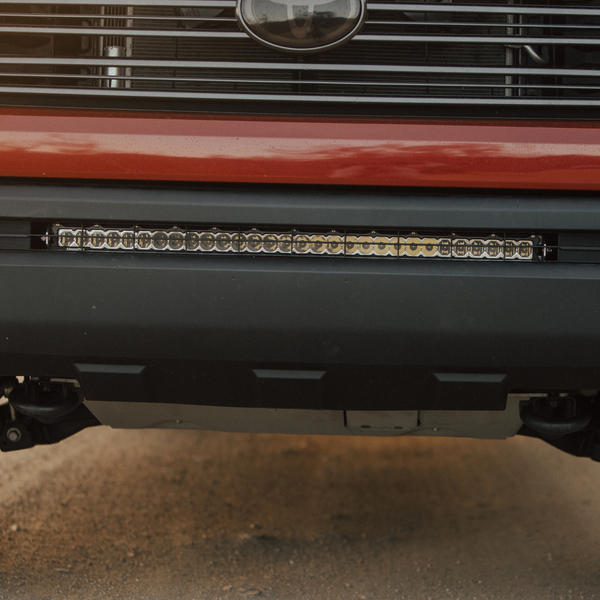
384, 334
301, 205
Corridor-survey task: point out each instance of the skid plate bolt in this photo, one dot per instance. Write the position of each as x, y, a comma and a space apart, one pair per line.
13, 435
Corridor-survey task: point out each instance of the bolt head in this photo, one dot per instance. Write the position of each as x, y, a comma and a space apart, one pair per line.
13, 435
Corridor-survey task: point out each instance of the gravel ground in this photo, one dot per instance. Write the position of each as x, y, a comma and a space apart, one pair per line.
192, 515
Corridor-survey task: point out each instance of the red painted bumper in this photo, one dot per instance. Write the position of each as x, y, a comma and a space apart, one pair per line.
85, 144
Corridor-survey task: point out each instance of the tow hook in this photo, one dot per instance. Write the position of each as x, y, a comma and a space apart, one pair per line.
45, 401
555, 416
40, 412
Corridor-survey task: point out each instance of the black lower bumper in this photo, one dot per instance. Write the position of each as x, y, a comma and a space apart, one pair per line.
297, 332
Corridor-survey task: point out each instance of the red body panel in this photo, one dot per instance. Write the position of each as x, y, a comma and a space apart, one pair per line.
85, 144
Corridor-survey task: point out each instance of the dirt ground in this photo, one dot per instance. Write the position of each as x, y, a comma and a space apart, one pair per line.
191, 515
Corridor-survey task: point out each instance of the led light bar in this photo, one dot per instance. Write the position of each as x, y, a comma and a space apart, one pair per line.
295, 242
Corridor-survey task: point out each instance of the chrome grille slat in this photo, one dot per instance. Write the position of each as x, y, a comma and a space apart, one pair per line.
512, 9
472, 24
424, 39
291, 81
160, 19
126, 3
306, 98
476, 53
447, 39
101, 62
62, 16
123, 31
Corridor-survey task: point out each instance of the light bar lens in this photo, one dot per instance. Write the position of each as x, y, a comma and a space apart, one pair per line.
314, 244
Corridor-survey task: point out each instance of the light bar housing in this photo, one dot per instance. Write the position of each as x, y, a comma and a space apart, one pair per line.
294, 242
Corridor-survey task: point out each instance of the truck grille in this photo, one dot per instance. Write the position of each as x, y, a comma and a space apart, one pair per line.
493, 55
